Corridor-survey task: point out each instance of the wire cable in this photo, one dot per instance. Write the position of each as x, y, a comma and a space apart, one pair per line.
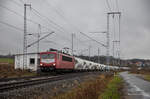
49, 20
10, 10
64, 18
108, 5
23, 2
18, 4
117, 4
93, 39
12, 26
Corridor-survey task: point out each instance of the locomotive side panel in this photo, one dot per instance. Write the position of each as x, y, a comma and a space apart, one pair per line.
65, 62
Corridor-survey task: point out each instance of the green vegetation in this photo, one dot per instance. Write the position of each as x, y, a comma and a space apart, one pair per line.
112, 90
7, 60
147, 77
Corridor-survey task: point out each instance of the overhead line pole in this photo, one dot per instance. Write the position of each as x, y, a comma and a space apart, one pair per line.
25, 36
119, 38
114, 42
40, 39
89, 52
107, 52
72, 43
98, 55
108, 36
38, 44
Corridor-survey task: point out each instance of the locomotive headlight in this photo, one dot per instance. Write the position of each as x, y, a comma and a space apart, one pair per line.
54, 64
41, 64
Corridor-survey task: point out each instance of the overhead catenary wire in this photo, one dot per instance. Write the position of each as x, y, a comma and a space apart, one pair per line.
117, 4
16, 13
47, 20
52, 26
45, 17
60, 14
70, 24
18, 4
56, 10
22, 1
12, 26
20, 15
59, 27
93, 39
15, 27
32, 20
64, 18
40, 39
108, 5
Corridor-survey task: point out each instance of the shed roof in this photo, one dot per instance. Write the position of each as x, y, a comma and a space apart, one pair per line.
24, 54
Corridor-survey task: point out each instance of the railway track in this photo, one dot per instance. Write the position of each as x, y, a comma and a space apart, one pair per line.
5, 87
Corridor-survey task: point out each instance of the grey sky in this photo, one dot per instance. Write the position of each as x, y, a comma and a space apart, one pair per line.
87, 16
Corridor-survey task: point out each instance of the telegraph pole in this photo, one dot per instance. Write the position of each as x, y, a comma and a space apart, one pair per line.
25, 36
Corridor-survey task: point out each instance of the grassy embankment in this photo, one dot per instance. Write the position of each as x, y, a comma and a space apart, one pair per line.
7, 69
104, 87
113, 89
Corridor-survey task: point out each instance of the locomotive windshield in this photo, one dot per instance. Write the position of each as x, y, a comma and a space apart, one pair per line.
47, 58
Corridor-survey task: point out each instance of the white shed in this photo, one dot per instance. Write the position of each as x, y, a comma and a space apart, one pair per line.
33, 61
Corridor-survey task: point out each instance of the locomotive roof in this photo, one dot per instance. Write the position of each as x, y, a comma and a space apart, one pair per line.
57, 52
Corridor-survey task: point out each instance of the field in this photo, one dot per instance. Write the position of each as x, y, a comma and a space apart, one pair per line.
7, 69
7, 60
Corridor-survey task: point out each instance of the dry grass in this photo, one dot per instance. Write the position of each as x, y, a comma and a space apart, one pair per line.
8, 71
87, 90
141, 71
147, 77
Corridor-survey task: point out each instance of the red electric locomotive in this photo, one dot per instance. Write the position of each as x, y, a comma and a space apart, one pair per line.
54, 60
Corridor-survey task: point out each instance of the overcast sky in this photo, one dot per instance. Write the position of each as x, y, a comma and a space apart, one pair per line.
74, 16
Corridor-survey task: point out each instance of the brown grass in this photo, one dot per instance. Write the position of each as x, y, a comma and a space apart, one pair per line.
142, 71
8, 71
87, 90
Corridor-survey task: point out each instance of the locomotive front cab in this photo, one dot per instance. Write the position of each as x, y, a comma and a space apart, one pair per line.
48, 61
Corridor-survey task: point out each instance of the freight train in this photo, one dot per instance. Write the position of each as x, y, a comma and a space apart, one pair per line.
55, 60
